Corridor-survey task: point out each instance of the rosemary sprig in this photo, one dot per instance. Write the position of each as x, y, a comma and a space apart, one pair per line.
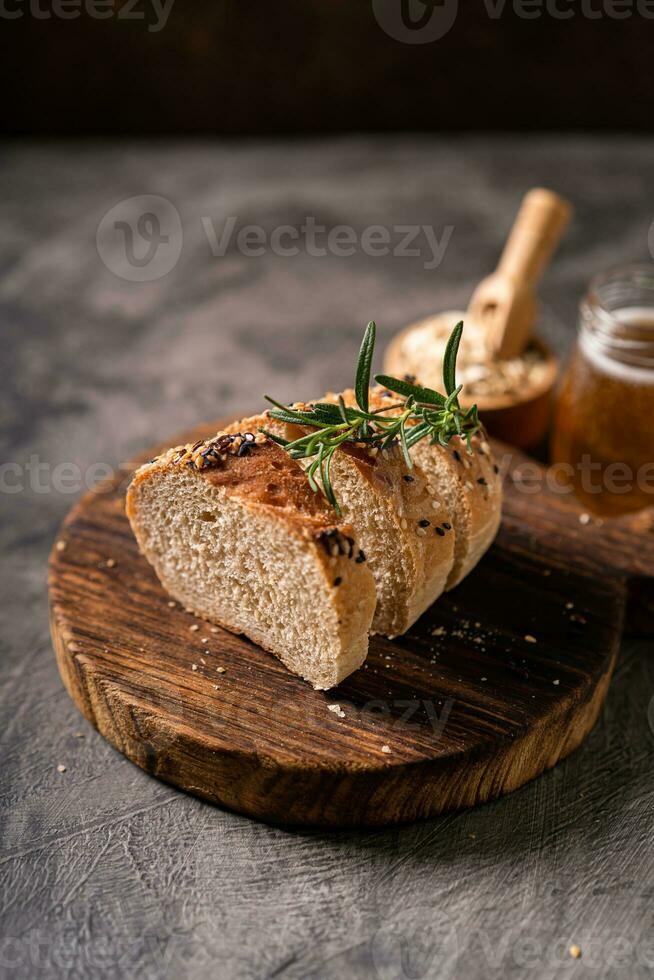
423, 413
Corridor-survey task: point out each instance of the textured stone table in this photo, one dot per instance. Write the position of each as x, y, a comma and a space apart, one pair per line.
105, 872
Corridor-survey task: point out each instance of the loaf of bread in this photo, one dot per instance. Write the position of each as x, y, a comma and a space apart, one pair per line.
236, 534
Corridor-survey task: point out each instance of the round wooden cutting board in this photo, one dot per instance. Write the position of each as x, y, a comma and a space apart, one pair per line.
496, 682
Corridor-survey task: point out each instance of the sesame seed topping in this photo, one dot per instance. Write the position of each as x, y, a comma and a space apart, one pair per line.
409, 479
338, 580
530, 639
424, 522
440, 532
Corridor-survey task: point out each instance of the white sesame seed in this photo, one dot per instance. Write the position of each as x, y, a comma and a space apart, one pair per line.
194, 628
386, 749
584, 518
61, 768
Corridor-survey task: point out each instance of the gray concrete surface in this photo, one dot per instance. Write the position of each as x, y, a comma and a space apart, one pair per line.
104, 872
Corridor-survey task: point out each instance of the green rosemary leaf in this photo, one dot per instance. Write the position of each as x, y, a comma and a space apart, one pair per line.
422, 395
453, 398
278, 439
364, 364
325, 462
297, 418
311, 474
327, 414
405, 447
342, 409
449, 358
418, 432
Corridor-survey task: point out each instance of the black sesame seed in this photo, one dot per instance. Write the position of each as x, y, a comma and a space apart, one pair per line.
360, 557
243, 449
409, 479
424, 522
457, 455
338, 580
440, 532
482, 480
446, 525
496, 468
481, 451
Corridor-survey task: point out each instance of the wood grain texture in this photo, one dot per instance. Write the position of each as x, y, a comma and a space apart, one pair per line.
468, 706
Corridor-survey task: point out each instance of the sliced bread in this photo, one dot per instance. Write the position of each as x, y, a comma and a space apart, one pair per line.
400, 521
235, 533
468, 482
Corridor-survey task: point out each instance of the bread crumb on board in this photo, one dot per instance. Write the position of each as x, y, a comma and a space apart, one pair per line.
61, 768
336, 709
530, 639
575, 951
60, 546
386, 749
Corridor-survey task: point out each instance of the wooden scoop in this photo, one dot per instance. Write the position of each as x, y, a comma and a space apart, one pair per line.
504, 302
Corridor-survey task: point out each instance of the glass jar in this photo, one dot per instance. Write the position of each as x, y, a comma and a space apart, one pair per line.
603, 438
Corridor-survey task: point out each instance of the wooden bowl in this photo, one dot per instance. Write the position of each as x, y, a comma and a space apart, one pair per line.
520, 420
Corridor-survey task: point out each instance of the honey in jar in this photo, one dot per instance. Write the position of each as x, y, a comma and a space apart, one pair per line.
603, 439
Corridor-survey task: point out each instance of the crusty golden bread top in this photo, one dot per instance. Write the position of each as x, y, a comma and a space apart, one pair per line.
251, 466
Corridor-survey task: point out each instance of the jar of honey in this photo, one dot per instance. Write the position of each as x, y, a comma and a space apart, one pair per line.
603, 438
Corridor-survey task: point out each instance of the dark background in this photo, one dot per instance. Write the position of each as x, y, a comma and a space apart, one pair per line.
307, 66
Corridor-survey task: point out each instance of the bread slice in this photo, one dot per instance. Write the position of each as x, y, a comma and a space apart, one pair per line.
400, 521
469, 483
235, 533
